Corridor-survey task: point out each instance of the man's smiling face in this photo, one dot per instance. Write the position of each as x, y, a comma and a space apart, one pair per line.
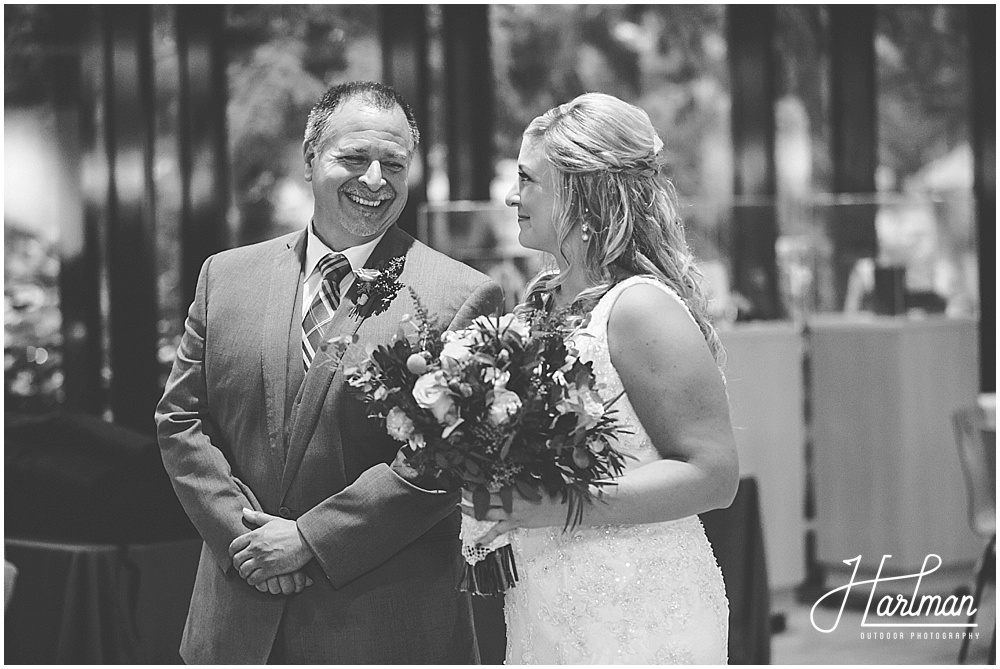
358, 172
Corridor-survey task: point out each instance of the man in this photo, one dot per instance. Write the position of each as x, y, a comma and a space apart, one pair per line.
275, 461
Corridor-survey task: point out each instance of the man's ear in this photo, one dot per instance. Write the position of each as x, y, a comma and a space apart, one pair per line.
308, 155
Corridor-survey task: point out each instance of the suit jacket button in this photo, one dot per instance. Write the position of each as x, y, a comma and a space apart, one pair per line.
285, 512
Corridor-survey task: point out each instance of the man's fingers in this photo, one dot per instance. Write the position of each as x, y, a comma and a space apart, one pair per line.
240, 559
257, 518
245, 568
287, 584
255, 576
283, 584
238, 544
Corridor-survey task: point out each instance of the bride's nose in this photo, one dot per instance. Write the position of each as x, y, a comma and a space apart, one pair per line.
513, 198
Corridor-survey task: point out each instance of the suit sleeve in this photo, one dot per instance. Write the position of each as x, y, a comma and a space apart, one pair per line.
378, 515
202, 478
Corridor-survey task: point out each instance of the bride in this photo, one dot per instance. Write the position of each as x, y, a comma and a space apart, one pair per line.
637, 582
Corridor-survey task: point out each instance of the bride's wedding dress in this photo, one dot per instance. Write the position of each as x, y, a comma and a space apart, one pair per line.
632, 594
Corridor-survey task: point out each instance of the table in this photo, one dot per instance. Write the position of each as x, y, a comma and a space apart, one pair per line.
888, 478
764, 381
98, 603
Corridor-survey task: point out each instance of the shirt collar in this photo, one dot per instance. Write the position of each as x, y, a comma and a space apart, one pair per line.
356, 255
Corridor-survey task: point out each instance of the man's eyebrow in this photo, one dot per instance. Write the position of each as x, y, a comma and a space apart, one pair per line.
364, 150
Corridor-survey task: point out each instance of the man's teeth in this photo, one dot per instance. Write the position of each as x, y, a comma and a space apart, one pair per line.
367, 203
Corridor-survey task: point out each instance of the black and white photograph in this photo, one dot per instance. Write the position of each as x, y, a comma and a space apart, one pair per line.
458, 334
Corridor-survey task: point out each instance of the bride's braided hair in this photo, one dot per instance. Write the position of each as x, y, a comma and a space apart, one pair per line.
608, 161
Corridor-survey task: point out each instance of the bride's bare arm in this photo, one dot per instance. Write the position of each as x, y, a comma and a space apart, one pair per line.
679, 397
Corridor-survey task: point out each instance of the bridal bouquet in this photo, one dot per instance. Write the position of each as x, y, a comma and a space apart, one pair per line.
504, 404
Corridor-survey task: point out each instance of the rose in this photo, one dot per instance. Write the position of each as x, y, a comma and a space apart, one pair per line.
505, 404
431, 392
367, 275
398, 424
453, 354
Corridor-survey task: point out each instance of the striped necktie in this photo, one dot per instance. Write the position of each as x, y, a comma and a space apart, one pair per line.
332, 267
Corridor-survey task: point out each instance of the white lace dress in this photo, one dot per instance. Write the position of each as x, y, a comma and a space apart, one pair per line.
632, 594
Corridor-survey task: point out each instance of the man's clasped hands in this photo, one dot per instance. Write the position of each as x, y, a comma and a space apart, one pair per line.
271, 557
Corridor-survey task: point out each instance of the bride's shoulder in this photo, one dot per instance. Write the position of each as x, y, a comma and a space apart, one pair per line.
647, 304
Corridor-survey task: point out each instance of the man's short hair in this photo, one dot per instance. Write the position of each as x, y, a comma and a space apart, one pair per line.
380, 96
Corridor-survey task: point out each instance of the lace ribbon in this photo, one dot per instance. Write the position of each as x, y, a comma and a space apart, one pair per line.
489, 570
472, 529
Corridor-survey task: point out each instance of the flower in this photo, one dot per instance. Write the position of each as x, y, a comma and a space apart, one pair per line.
496, 377
505, 404
366, 274
398, 425
431, 392
417, 441
453, 355
468, 337
585, 403
378, 285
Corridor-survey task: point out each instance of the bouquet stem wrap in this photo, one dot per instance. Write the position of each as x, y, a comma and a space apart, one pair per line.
489, 570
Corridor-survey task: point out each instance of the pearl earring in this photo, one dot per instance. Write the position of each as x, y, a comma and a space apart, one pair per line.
585, 232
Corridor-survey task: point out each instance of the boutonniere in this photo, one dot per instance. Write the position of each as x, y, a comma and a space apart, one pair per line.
378, 286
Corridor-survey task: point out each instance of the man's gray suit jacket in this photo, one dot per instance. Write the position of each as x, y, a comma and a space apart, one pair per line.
241, 424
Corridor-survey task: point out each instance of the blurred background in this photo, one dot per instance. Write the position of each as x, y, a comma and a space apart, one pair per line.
836, 171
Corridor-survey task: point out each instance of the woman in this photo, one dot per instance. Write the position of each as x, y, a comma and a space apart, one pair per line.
637, 582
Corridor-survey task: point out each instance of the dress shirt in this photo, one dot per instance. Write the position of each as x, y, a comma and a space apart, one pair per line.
315, 250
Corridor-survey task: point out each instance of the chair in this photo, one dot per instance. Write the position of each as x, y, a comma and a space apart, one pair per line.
980, 481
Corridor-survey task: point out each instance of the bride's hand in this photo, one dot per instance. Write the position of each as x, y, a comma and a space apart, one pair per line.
544, 512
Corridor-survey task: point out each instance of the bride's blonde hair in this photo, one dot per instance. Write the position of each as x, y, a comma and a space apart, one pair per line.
608, 163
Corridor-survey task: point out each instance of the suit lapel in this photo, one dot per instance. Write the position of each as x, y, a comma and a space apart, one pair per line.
285, 279
316, 388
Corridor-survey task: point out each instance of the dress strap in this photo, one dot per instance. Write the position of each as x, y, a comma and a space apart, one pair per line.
602, 311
